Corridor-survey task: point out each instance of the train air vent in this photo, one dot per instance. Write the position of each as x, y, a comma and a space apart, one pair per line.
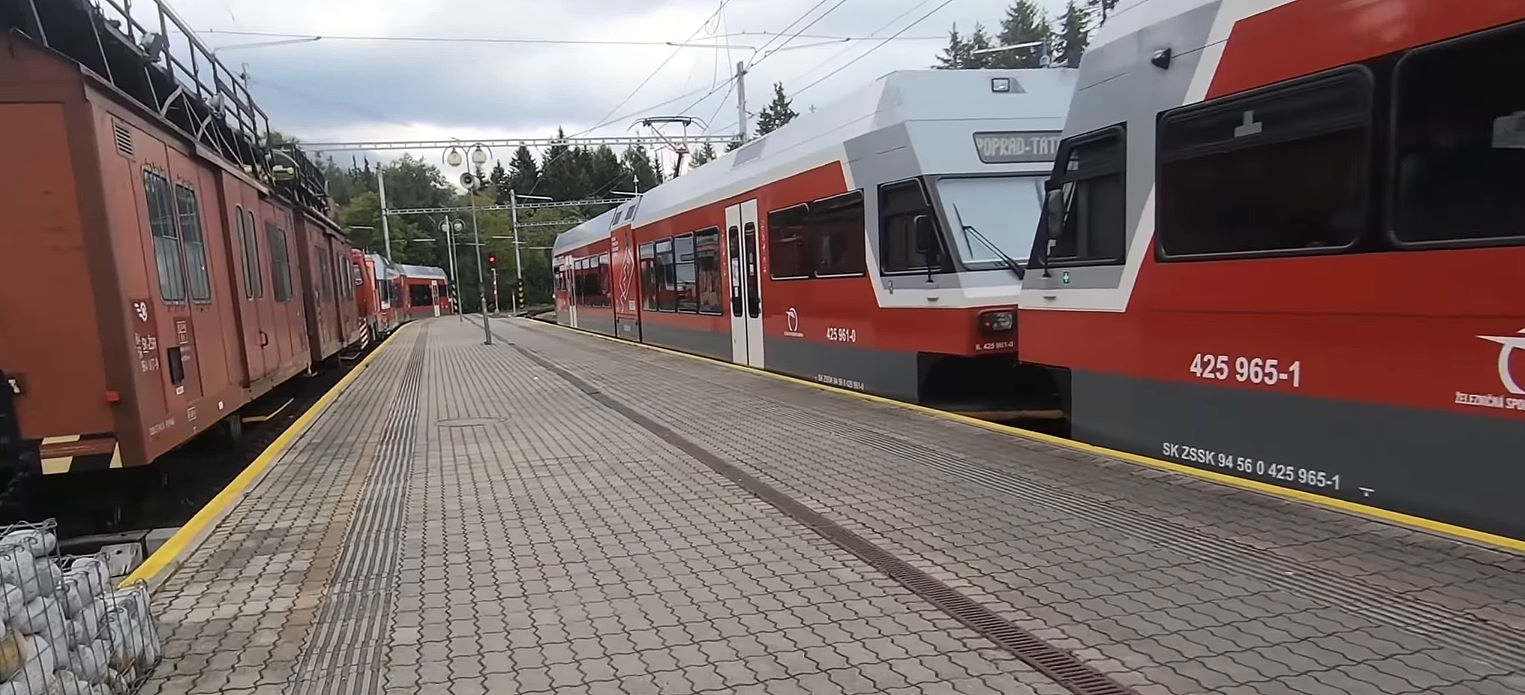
123, 139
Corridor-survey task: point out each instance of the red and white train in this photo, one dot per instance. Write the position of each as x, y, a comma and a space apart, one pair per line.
876, 243
1286, 241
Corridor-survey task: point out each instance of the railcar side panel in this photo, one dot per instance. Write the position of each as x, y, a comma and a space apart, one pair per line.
51, 343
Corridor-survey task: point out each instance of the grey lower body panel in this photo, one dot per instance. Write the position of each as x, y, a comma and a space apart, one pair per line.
596, 324
699, 342
881, 372
1448, 467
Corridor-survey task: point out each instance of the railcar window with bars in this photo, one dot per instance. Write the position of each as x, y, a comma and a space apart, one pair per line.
1284, 170
1090, 169
280, 261
189, 213
1459, 141
248, 246
167, 250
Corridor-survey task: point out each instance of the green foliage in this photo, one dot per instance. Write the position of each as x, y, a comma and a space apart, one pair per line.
702, 156
638, 163
778, 112
960, 53
1074, 36
1024, 22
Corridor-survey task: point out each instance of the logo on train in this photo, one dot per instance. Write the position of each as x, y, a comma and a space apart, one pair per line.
627, 275
793, 318
1508, 345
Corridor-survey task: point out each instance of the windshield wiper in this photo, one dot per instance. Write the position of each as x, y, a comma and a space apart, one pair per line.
1010, 263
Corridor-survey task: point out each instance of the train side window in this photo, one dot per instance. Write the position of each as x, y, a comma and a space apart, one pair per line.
189, 214
900, 204
1090, 170
1459, 142
683, 257
649, 278
419, 296
788, 252
707, 271
837, 235
667, 277
280, 262
161, 224
254, 278
605, 287
1283, 170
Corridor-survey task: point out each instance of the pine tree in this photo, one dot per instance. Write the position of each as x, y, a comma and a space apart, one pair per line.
656, 167
638, 164
500, 183
702, 156
1025, 22
1103, 8
607, 173
1074, 36
979, 41
523, 171
777, 113
956, 54
733, 145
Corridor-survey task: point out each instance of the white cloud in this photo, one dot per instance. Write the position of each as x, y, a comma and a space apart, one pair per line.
364, 90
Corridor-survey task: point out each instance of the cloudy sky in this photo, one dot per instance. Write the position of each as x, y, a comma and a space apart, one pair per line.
349, 89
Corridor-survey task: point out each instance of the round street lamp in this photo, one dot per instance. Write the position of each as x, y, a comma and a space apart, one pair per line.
479, 156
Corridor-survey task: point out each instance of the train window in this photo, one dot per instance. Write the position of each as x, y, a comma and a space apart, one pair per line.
280, 262
604, 285
325, 278
837, 235
1090, 170
899, 205
1459, 142
161, 224
788, 252
683, 257
254, 276
420, 296
667, 275
189, 214
1280, 170
649, 277
707, 271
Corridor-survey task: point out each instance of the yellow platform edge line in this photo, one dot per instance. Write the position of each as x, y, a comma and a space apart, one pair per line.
196, 529
1416, 522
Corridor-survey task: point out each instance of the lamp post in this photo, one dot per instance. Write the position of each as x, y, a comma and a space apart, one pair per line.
513, 210
472, 181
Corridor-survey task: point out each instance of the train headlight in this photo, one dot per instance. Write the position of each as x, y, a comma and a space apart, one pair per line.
998, 321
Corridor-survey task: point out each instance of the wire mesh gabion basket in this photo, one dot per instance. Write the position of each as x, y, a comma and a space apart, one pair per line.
65, 628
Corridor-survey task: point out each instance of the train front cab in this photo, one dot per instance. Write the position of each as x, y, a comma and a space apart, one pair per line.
1300, 268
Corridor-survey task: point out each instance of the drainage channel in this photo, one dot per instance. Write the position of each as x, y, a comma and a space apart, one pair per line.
1060, 665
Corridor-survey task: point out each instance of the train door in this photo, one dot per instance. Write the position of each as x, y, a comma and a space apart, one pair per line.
572, 290
742, 246
434, 296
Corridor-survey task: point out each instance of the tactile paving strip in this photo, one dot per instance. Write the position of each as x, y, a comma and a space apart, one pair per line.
344, 653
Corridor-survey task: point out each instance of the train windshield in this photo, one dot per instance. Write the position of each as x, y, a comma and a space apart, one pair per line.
993, 211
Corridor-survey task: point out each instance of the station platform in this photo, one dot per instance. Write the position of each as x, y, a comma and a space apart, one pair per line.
559, 512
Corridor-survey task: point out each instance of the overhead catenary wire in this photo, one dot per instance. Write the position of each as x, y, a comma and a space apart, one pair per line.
873, 48
872, 35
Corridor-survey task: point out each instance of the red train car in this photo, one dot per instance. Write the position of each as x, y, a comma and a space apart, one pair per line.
154, 246
872, 244
425, 291
1298, 266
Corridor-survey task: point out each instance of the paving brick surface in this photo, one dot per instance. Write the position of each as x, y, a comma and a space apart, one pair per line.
1168, 583
462, 520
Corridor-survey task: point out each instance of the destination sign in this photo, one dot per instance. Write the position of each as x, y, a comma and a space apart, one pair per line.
1017, 146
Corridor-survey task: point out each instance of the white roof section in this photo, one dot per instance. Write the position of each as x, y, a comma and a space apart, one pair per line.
899, 98
423, 272
927, 104
591, 230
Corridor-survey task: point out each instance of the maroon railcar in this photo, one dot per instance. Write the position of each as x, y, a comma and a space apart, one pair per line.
156, 279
